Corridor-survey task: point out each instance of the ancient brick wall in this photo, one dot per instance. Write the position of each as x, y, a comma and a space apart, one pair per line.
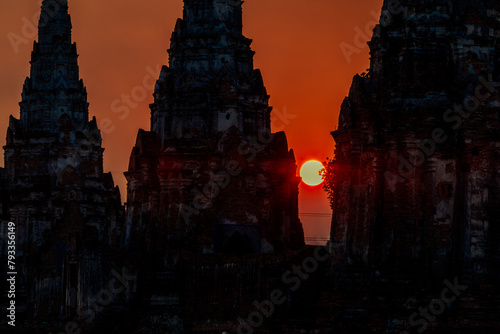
417, 148
67, 211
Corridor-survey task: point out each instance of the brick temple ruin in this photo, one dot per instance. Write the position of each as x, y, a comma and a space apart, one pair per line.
67, 211
209, 186
209, 172
418, 148
415, 183
211, 228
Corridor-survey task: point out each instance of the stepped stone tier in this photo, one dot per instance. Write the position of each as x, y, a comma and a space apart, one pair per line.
417, 158
210, 177
212, 234
212, 194
66, 209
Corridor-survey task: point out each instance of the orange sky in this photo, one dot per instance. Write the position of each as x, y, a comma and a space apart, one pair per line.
298, 49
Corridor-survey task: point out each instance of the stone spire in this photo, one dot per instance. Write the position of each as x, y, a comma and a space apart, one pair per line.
55, 22
66, 208
210, 129
417, 145
209, 103
211, 84
54, 88
215, 16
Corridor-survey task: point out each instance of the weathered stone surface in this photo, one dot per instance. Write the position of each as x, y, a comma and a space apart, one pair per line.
417, 148
209, 176
67, 211
212, 226
209, 181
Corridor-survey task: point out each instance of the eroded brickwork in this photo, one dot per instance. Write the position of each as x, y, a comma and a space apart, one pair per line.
209, 176
418, 147
67, 211
209, 180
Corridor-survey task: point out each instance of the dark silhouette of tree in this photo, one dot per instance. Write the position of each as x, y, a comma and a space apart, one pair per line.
329, 175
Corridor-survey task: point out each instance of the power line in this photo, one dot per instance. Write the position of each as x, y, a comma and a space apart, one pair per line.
317, 237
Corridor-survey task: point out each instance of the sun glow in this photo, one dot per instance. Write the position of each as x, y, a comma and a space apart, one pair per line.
310, 173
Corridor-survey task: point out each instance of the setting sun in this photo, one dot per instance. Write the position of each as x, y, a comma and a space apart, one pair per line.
310, 173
